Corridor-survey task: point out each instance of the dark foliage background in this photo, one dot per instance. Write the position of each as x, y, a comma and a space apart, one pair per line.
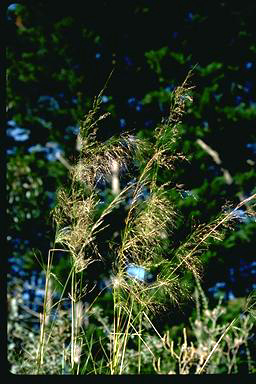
59, 56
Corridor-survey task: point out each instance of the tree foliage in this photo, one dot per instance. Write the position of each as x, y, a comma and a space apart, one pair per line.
57, 60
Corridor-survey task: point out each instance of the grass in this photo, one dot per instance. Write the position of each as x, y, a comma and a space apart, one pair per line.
146, 271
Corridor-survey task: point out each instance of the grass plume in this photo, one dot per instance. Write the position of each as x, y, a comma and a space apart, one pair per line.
146, 270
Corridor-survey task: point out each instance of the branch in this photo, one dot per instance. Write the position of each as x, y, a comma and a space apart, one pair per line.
216, 158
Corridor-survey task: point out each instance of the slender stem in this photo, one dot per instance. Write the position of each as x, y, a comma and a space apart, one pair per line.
40, 355
115, 334
118, 334
126, 337
60, 300
139, 344
216, 345
73, 325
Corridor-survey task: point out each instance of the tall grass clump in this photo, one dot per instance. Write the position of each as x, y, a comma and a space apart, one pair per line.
147, 270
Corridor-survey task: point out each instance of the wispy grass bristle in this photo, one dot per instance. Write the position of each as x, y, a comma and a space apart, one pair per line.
144, 246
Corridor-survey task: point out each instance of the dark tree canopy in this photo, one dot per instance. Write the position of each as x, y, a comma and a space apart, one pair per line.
59, 56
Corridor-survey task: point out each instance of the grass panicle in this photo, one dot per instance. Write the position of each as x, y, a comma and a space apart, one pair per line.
145, 246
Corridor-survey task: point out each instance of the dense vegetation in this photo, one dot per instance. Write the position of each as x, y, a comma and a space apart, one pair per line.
57, 61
